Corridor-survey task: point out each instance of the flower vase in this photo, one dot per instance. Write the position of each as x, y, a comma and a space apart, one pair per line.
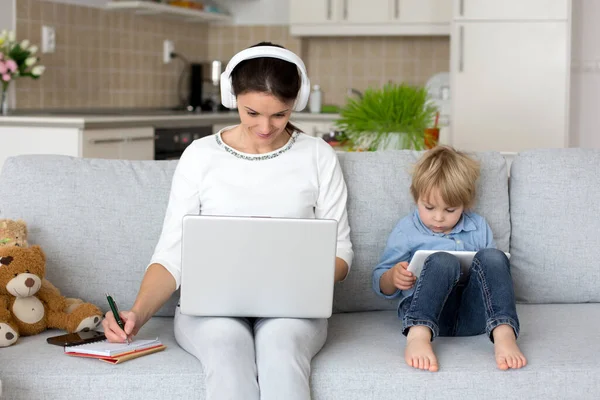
4, 102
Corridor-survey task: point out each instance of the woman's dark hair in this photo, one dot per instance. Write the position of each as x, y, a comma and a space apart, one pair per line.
268, 75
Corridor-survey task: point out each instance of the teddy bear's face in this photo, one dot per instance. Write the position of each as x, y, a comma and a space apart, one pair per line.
13, 233
21, 270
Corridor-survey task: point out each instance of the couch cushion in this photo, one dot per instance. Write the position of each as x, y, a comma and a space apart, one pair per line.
98, 221
362, 359
378, 196
554, 213
33, 369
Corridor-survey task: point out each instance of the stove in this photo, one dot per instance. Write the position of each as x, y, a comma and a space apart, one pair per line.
169, 143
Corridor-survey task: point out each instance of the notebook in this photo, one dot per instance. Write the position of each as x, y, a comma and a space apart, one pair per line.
116, 353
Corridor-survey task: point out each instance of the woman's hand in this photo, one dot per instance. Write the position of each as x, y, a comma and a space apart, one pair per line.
113, 331
157, 286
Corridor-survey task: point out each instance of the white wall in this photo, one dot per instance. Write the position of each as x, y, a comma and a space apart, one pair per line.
585, 74
8, 21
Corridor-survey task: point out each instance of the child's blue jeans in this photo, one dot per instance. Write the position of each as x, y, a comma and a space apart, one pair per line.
449, 308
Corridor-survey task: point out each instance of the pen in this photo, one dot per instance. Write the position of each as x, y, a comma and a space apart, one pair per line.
115, 311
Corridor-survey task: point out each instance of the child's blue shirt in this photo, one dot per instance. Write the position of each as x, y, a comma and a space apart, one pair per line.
471, 233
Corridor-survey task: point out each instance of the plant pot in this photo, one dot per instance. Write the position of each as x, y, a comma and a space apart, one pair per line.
391, 141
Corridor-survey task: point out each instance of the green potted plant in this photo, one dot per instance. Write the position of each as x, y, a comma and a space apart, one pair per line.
392, 117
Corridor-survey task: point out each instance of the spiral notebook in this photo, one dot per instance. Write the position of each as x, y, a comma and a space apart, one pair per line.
116, 353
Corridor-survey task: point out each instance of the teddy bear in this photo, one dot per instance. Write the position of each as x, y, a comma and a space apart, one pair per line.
14, 233
26, 306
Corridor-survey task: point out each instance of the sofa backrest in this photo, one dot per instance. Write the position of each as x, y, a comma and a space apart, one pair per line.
99, 220
379, 196
555, 214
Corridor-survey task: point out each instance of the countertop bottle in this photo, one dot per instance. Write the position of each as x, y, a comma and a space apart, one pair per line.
314, 101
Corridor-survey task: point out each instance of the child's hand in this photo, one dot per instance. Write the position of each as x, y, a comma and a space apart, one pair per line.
402, 278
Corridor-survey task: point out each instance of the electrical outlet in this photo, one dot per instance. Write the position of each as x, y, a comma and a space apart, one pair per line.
48, 39
168, 48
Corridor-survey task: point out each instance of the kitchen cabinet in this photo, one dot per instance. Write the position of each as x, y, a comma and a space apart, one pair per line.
39, 138
365, 12
370, 18
100, 144
512, 9
509, 84
313, 11
126, 144
423, 12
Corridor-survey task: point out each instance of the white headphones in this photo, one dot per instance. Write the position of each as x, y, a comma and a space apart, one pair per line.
227, 95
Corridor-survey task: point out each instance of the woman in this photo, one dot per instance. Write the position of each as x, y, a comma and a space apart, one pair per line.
262, 167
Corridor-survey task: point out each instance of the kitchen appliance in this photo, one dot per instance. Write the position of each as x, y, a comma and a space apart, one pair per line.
204, 87
196, 85
171, 142
215, 79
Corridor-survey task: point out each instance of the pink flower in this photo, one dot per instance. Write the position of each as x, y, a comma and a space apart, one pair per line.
3, 68
6, 77
11, 65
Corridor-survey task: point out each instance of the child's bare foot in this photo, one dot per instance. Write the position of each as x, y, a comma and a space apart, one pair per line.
419, 353
508, 354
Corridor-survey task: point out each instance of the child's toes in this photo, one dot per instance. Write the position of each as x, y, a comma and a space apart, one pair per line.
515, 361
502, 363
523, 360
509, 361
426, 363
433, 367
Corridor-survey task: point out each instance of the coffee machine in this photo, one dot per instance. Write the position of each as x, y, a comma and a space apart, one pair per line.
205, 87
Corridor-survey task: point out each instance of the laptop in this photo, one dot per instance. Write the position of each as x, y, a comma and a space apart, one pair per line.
257, 266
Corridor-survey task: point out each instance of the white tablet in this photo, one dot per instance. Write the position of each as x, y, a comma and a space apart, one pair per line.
465, 258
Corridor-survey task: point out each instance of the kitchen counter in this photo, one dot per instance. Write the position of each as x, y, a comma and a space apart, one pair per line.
129, 134
107, 119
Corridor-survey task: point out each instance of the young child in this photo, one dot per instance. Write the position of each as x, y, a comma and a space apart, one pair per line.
441, 302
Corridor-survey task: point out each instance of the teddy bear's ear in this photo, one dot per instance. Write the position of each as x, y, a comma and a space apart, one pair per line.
39, 252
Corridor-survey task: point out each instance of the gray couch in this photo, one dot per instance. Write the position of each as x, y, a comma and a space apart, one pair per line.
98, 222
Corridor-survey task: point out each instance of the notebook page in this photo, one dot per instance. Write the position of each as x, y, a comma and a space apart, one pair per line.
105, 348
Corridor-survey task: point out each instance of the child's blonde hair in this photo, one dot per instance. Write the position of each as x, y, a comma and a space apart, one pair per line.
451, 172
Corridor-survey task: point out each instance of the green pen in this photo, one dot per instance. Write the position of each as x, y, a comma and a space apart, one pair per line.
115, 311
